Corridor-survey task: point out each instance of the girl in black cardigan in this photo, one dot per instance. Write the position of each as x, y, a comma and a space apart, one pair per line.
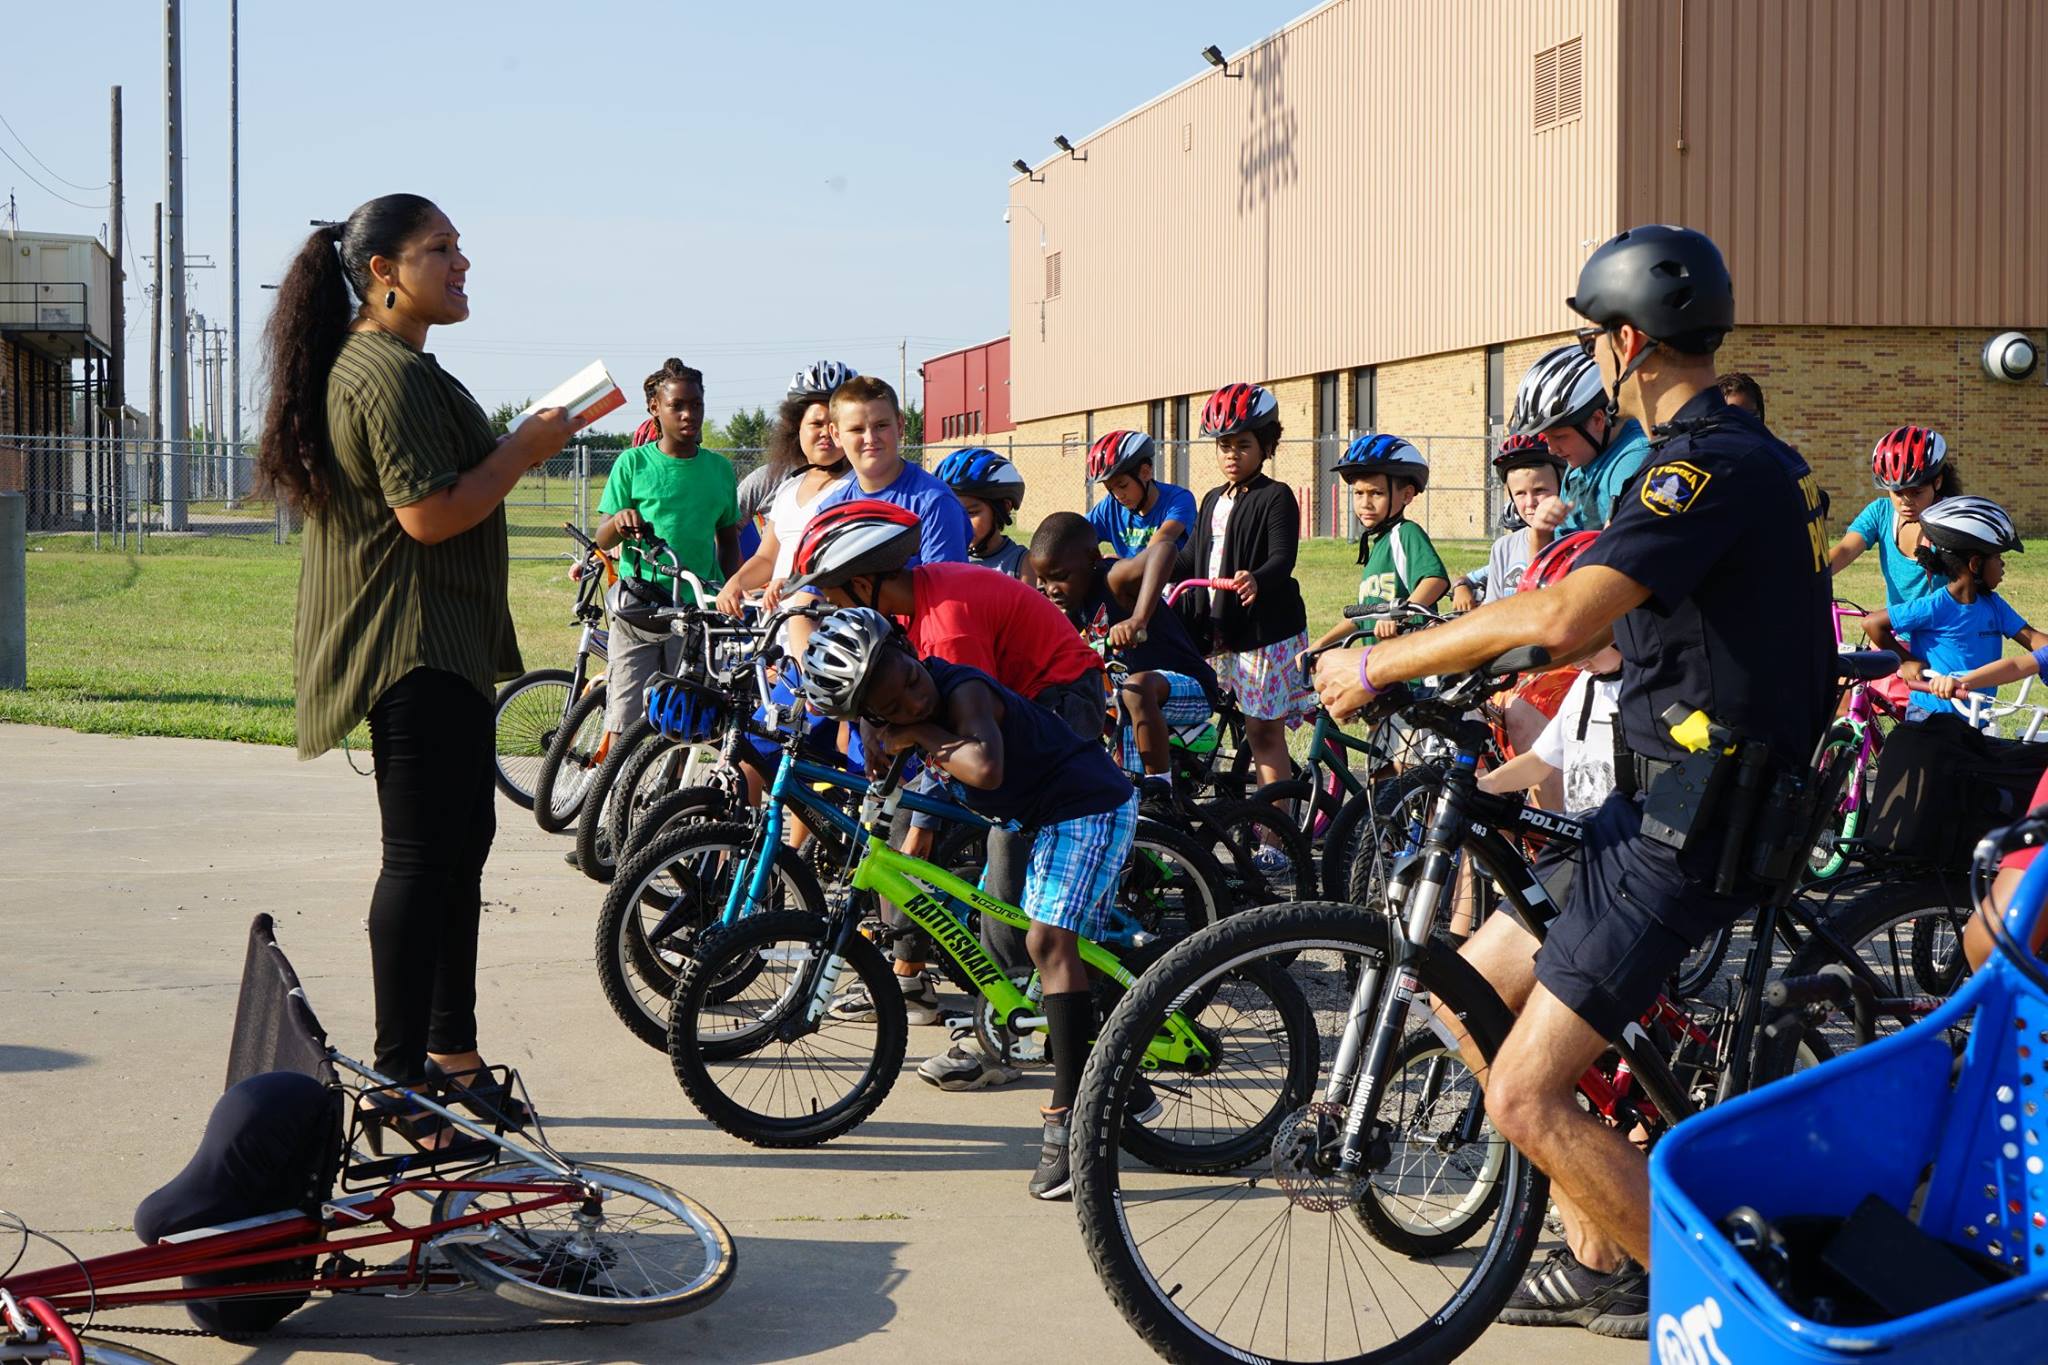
1248, 530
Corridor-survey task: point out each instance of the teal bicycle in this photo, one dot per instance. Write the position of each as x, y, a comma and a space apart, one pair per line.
755, 1046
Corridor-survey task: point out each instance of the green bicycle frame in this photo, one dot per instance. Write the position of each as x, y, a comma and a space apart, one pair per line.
927, 895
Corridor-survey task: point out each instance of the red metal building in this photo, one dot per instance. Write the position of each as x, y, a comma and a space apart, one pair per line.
967, 393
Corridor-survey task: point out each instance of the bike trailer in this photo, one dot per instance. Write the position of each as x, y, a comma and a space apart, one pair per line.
1952, 1149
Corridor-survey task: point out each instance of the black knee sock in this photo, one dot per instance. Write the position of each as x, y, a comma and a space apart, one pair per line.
1070, 1027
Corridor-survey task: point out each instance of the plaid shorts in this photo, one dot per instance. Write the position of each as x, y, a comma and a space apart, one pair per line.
1186, 709
1076, 867
1267, 684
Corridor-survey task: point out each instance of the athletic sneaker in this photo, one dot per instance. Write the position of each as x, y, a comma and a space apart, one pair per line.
963, 1067
1270, 861
920, 1002
1563, 1292
1052, 1179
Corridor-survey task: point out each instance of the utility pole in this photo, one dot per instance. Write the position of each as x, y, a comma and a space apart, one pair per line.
117, 365
174, 199
220, 412
903, 372
234, 245
156, 333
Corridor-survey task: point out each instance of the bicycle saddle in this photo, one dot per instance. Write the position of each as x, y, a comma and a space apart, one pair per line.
1865, 665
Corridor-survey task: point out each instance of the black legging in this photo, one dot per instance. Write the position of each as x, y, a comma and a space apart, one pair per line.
433, 740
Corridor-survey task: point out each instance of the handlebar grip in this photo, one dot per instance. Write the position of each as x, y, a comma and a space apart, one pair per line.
1359, 611
576, 533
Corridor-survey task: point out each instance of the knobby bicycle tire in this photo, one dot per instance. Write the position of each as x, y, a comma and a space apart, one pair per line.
593, 850
1160, 1311
567, 766
780, 1061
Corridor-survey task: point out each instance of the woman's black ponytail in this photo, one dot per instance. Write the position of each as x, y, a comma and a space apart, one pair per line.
315, 305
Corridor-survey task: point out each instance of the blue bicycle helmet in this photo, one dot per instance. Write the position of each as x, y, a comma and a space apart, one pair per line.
1380, 453
978, 472
683, 711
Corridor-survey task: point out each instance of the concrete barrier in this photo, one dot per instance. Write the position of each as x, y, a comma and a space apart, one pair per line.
13, 591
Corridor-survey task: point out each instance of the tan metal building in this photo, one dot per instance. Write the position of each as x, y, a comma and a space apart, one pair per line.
1380, 208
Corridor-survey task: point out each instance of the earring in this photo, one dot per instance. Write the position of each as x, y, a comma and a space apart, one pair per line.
390, 298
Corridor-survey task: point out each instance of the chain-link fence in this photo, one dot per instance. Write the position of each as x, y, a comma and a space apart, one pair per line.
121, 493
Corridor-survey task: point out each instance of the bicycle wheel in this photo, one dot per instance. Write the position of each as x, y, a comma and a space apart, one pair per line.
1390, 824
1196, 1265
1263, 858
529, 711
756, 1064
1701, 967
1442, 1181
654, 773
564, 775
673, 811
634, 746
637, 1252
1884, 926
1170, 887
663, 899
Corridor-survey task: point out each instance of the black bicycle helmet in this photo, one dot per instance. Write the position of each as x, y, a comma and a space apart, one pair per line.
1667, 281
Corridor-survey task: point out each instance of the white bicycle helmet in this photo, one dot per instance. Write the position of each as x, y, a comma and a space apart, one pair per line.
836, 661
1562, 389
819, 379
1967, 525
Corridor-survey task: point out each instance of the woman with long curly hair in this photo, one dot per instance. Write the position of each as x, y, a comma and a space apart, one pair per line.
402, 612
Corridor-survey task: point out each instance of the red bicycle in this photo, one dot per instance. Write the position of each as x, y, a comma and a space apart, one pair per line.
504, 1212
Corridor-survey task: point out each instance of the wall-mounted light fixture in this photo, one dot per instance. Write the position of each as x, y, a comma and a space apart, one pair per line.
1213, 55
1023, 168
1059, 140
2010, 357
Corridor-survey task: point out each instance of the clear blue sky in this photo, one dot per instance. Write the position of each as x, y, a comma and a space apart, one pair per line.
747, 186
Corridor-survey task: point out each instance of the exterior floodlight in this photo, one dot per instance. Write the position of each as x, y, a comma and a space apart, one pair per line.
2010, 357
1213, 55
1023, 168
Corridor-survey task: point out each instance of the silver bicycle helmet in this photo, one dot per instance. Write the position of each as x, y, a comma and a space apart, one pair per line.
1968, 525
837, 660
1562, 389
820, 378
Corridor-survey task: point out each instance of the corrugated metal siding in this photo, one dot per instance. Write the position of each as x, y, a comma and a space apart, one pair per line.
976, 379
1370, 190
1861, 162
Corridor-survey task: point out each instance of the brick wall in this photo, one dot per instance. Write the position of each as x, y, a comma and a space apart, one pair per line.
1832, 391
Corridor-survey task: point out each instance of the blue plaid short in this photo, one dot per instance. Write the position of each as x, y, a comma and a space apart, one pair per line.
1186, 709
1076, 867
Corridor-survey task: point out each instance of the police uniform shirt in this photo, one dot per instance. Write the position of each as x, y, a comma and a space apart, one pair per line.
1726, 528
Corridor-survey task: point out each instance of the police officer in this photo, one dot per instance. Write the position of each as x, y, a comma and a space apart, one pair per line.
1712, 580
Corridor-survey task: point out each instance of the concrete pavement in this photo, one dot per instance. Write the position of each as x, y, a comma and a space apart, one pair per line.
129, 870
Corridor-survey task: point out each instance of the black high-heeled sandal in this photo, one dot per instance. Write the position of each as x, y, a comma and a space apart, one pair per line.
388, 1109
482, 1093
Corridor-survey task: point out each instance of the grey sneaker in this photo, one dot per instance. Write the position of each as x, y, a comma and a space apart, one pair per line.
1564, 1292
1052, 1179
962, 1067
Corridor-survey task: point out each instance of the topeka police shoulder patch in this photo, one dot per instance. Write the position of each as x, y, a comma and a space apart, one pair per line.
1670, 488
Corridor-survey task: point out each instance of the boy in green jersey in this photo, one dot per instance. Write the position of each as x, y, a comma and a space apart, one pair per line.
682, 493
1385, 474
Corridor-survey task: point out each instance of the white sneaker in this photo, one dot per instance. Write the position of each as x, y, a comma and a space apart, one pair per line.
920, 999
962, 1067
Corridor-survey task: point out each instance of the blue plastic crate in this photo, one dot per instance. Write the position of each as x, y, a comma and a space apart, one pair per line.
1878, 1121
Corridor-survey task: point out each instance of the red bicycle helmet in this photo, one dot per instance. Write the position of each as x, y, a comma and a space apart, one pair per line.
1557, 559
1525, 452
1118, 452
1908, 457
647, 432
1238, 407
865, 535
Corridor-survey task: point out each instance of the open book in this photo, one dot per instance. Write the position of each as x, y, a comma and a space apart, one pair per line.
588, 395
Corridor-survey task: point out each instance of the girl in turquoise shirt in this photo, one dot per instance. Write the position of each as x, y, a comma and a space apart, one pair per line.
1912, 466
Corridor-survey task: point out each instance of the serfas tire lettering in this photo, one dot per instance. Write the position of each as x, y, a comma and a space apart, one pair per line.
937, 921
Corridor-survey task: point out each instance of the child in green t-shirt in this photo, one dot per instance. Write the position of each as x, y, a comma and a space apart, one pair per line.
1385, 473
682, 493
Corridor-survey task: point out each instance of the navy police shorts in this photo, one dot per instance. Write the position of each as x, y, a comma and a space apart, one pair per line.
1629, 918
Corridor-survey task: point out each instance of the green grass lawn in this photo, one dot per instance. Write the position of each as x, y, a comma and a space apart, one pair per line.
194, 638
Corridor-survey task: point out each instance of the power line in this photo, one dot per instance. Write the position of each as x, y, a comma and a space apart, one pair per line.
45, 188
46, 165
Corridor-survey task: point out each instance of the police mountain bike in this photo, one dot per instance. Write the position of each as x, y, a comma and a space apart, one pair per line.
1386, 1220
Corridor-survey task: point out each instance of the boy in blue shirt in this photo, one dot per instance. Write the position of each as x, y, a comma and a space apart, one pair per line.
1138, 509
1008, 759
1965, 540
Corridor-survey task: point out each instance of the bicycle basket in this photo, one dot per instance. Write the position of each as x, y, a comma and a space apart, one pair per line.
1958, 1148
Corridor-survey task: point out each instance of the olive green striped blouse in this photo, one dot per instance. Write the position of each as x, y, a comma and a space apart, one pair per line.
374, 604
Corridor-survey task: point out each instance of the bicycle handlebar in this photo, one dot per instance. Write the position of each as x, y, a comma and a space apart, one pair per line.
1174, 590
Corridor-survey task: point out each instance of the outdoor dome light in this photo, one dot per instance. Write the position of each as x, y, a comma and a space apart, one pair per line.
2010, 357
